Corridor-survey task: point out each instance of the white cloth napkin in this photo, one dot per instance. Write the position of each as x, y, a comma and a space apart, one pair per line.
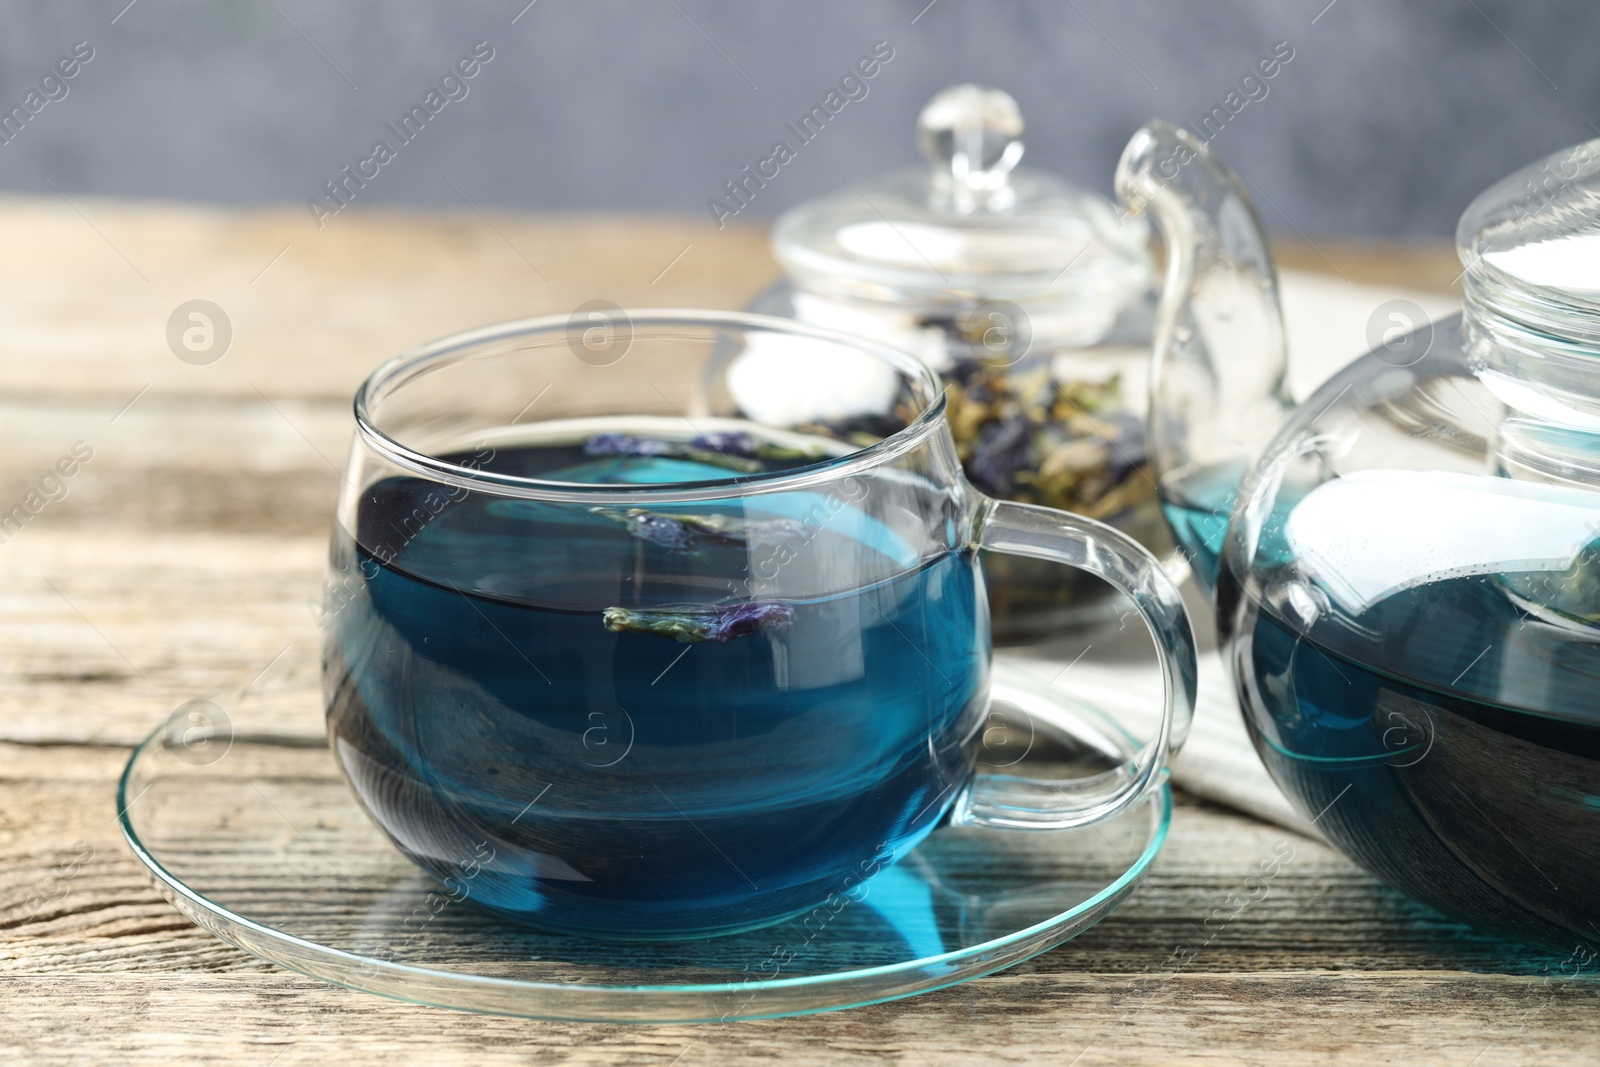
1327, 321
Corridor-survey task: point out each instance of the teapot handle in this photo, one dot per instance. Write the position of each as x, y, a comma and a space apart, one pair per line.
1011, 802
1217, 381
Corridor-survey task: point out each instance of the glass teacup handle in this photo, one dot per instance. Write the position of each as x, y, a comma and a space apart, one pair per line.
1012, 802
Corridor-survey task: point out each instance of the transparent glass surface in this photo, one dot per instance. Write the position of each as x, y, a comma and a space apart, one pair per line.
1530, 246
248, 828
662, 651
970, 226
1059, 426
1031, 298
1216, 392
671, 648
1406, 575
1410, 588
677, 664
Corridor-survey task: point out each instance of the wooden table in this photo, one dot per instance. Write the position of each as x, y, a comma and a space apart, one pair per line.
195, 535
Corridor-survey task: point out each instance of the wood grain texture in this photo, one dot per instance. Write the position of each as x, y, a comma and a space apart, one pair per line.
1319, 913
180, 561
87, 298
1082, 1018
1327, 964
1427, 265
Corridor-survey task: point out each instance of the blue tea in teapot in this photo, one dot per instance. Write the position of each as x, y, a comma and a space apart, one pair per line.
1404, 566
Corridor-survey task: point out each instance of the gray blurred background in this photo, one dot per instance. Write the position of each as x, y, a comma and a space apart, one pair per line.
1386, 121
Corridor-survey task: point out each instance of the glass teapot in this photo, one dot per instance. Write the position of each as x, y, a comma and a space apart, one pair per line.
1032, 298
1406, 567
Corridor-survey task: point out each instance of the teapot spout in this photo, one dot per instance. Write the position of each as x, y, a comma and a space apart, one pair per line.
1217, 378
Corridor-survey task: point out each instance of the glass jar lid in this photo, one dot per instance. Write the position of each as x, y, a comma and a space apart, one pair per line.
969, 229
1530, 246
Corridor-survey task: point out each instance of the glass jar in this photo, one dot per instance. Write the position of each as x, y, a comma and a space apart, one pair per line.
1031, 298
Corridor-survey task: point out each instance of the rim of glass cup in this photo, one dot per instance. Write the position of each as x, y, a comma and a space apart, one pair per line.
408, 365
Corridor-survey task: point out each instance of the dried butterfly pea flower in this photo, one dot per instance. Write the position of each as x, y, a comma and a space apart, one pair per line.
738, 443
622, 444
689, 532
1002, 451
1024, 434
660, 530
695, 625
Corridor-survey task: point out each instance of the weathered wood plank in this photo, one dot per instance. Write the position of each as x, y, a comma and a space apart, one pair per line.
169, 464
87, 307
1319, 913
1084, 1018
110, 634
1426, 265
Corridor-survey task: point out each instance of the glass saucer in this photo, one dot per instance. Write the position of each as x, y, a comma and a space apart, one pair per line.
235, 806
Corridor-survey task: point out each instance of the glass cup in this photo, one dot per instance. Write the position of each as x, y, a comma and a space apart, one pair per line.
626, 636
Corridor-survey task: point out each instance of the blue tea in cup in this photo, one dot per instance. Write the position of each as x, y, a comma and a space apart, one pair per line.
687, 638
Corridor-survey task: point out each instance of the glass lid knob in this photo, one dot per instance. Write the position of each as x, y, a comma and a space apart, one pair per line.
973, 137
933, 241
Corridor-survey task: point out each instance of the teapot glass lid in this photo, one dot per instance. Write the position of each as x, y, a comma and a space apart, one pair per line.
972, 226
1530, 244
